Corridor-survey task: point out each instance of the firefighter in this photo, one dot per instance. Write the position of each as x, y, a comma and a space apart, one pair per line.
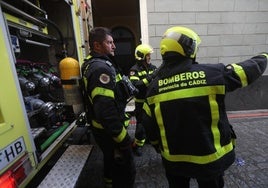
105, 106
140, 75
185, 117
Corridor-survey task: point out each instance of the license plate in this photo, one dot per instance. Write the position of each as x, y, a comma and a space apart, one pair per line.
11, 152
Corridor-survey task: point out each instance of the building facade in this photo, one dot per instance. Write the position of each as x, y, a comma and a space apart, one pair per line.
231, 31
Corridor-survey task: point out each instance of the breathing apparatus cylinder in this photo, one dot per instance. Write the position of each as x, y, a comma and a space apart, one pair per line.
70, 79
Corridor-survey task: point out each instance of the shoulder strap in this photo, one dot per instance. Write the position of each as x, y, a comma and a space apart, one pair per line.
91, 61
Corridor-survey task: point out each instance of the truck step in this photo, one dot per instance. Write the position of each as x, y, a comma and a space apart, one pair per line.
67, 169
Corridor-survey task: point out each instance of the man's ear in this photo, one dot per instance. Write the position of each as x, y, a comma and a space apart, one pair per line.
97, 46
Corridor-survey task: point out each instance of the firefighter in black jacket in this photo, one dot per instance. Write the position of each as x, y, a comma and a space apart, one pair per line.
107, 95
185, 114
140, 75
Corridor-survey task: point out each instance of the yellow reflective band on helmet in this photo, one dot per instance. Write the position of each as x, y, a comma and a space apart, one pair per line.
204, 159
121, 136
97, 125
186, 93
147, 109
241, 73
103, 92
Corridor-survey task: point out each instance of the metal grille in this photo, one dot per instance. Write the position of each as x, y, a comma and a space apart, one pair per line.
66, 171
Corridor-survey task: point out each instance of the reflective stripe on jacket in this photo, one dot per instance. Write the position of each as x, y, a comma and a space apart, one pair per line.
138, 76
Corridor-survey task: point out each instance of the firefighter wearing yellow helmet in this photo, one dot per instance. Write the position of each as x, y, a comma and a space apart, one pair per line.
186, 119
141, 75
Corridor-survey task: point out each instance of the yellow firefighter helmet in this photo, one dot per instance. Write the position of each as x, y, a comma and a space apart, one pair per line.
142, 50
180, 40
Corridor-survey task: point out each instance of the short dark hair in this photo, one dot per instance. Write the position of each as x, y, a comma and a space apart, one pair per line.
98, 34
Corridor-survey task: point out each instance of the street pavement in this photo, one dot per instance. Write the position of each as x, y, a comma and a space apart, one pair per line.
250, 169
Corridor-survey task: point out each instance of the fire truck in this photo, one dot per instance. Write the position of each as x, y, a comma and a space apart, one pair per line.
42, 44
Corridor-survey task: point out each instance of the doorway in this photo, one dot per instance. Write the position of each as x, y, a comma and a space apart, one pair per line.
123, 18
125, 48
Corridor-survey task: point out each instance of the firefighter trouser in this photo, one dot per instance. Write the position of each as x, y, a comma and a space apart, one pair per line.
120, 173
140, 135
184, 182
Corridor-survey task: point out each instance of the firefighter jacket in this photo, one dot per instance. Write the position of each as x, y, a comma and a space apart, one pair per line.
186, 117
140, 76
106, 99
